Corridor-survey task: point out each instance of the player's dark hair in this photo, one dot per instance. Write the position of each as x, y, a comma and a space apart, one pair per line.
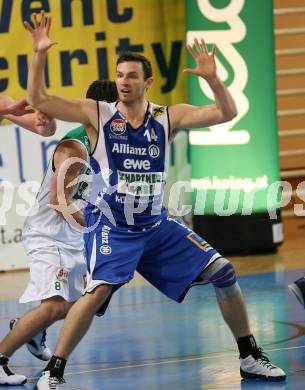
128, 56
102, 90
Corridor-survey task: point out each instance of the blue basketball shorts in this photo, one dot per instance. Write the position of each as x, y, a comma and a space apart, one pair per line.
169, 255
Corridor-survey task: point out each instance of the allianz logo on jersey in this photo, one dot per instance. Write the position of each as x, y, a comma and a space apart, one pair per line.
153, 150
105, 249
127, 149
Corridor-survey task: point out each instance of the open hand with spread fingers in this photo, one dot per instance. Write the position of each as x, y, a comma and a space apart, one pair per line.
205, 61
40, 33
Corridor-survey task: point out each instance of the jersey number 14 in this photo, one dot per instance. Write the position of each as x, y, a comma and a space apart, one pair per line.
151, 135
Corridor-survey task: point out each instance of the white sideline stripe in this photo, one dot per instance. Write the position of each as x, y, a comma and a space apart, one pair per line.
289, 30
283, 52
291, 133
292, 152
292, 173
292, 71
287, 11
300, 111
290, 91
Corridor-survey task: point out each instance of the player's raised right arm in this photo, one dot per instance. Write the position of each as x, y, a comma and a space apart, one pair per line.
69, 110
83, 110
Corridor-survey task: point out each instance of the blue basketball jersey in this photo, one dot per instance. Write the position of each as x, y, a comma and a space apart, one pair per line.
132, 164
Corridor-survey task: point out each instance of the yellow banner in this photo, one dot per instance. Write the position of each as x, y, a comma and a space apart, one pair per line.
90, 33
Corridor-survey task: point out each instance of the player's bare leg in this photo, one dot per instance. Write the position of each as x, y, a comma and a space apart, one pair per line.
49, 311
253, 363
25, 329
76, 324
79, 319
234, 312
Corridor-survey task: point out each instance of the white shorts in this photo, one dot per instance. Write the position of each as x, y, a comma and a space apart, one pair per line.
55, 272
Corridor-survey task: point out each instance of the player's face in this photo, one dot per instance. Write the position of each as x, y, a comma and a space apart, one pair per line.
130, 81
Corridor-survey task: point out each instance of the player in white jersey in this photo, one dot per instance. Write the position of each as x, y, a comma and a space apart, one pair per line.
57, 266
171, 256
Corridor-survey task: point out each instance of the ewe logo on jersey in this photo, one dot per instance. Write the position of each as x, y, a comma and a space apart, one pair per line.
127, 149
118, 126
130, 163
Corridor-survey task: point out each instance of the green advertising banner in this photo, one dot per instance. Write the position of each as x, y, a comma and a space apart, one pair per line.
235, 167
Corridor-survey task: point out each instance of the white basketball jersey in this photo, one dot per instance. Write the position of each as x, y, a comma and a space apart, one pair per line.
46, 227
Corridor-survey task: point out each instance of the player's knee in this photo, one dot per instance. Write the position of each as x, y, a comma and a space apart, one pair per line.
55, 308
101, 293
104, 290
222, 275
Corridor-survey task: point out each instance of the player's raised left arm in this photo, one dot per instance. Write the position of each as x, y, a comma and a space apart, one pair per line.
187, 116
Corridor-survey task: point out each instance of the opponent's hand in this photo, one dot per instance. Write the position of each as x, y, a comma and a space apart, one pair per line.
205, 61
18, 108
40, 33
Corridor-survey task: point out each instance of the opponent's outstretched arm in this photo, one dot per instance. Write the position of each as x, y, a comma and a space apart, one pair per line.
38, 123
16, 112
9, 106
70, 156
83, 111
187, 116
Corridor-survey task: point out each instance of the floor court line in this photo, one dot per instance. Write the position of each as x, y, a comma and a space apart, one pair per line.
67, 374
185, 347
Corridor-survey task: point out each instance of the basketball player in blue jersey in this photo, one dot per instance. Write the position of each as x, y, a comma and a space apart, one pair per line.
131, 156
55, 249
